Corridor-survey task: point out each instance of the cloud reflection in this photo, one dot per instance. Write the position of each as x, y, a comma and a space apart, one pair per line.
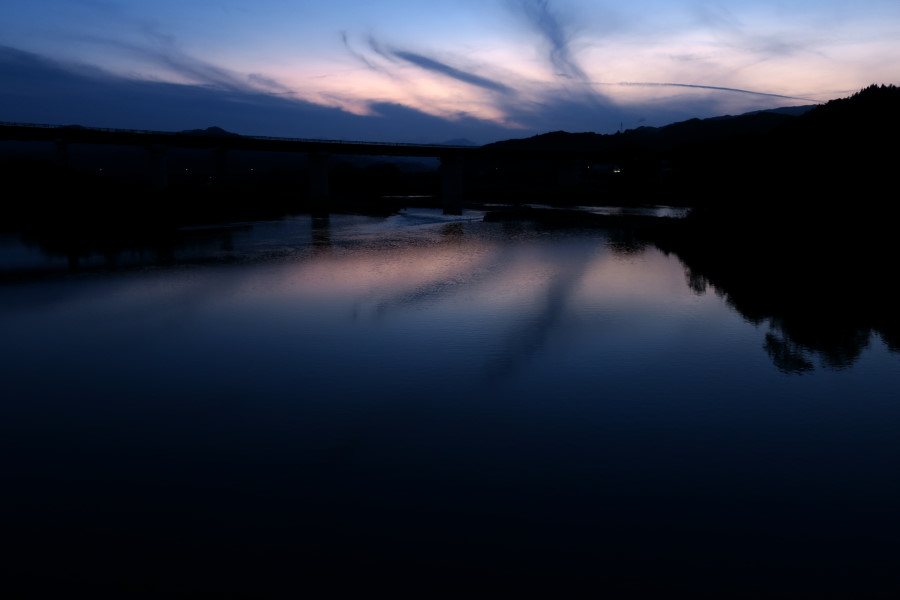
531, 334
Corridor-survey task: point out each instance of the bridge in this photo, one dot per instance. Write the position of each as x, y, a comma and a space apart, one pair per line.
156, 142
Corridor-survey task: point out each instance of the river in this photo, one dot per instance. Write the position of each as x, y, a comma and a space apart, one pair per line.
421, 398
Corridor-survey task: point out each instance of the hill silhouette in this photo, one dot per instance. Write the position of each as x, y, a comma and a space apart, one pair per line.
783, 157
643, 165
210, 132
801, 233
657, 139
843, 121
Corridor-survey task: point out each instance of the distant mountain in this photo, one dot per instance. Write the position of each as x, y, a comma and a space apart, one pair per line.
210, 132
827, 155
660, 138
860, 116
799, 155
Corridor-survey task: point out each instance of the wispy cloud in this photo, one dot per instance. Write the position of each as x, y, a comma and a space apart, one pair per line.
381, 51
44, 90
268, 84
394, 56
358, 55
163, 55
555, 34
435, 66
718, 18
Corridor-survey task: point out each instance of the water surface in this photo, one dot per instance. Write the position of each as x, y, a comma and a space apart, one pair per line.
425, 396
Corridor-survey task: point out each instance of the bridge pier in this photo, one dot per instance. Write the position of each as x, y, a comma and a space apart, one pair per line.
159, 174
451, 183
220, 166
319, 190
568, 173
62, 152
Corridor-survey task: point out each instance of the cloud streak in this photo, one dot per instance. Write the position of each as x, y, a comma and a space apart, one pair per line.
42, 90
429, 64
357, 55
426, 63
542, 19
161, 51
713, 87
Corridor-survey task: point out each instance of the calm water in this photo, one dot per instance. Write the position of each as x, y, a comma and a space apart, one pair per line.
426, 398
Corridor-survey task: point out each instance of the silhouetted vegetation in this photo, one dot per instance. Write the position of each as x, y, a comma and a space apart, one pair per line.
645, 165
806, 239
822, 298
781, 158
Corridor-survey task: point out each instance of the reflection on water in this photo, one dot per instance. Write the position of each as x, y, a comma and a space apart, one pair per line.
826, 309
359, 400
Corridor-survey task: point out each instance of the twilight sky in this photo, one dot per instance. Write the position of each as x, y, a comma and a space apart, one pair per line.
411, 70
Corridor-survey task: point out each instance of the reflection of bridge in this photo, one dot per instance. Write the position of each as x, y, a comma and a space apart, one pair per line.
318, 151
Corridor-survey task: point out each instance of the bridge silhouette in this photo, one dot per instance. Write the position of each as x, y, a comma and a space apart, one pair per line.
452, 157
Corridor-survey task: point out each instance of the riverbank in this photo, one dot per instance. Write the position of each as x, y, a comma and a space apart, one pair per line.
824, 279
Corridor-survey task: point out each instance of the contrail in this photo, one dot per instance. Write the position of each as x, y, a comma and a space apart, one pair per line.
714, 87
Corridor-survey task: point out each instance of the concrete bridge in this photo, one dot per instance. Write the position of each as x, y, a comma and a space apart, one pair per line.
156, 142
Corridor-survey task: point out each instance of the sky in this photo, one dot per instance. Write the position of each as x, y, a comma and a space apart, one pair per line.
417, 71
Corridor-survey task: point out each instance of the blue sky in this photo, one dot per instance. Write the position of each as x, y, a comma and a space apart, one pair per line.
408, 70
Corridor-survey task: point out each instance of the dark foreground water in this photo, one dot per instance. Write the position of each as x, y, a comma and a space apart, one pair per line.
422, 403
